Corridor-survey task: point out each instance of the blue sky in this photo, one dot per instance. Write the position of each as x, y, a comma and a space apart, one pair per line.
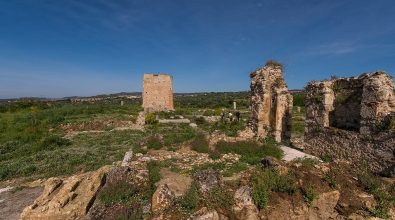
86, 47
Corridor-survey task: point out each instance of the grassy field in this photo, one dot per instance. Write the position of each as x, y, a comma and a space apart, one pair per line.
34, 141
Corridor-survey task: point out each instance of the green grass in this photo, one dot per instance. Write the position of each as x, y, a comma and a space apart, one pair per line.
251, 151
235, 168
191, 199
200, 143
265, 181
218, 197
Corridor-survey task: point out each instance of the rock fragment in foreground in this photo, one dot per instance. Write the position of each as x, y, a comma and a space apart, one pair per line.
68, 198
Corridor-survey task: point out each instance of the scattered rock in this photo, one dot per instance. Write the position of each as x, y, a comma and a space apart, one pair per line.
206, 214
244, 208
162, 198
207, 179
193, 125
69, 198
127, 158
324, 206
270, 162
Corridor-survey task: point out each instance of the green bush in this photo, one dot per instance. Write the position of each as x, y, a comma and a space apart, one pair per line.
200, 143
150, 119
265, 181
219, 198
309, 194
330, 177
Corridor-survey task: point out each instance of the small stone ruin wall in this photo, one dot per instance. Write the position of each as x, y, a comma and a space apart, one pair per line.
157, 92
271, 103
350, 118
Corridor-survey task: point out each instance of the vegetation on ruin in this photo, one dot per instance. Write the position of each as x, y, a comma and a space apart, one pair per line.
299, 99
274, 63
265, 181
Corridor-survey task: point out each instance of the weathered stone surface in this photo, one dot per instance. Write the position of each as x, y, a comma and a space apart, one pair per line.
206, 214
162, 198
244, 208
157, 92
177, 183
271, 103
324, 206
207, 179
69, 198
127, 158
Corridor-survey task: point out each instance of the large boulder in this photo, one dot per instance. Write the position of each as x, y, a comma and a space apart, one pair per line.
69, 198
324, 206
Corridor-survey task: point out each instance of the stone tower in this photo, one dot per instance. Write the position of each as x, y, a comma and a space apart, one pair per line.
271, 103
157, 92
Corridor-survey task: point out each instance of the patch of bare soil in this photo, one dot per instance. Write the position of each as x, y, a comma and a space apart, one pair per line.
13, 202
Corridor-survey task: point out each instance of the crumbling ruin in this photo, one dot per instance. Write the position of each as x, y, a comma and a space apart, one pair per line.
157, 92
271, 103
351, 118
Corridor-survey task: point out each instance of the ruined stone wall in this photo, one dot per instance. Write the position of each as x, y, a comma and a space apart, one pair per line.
347, 118
271, 103
157, 92
357, 103
376, 152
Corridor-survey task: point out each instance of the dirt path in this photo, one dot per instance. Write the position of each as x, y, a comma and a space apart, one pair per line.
12, 202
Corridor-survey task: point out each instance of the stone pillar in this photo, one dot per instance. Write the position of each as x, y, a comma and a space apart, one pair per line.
271, 103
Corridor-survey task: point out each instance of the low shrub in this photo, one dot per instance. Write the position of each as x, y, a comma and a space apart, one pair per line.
330, 177
265, 181
190, 200
200, 143
117, 192
150, 119
251, 151
384, 199
219, 198
309, 194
